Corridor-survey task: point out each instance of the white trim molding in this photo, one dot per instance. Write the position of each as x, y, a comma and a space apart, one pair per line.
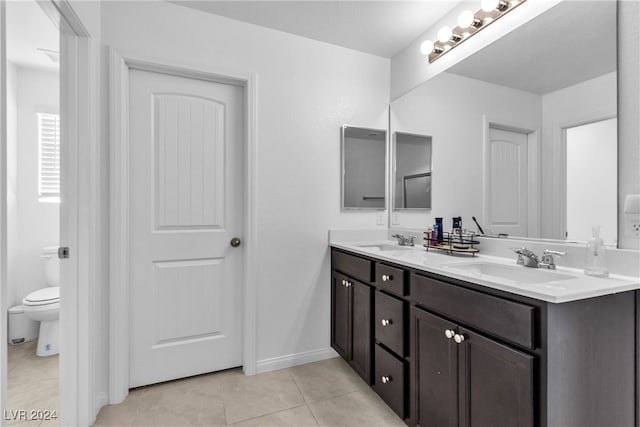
296, 359
77, 231
3, 212
79, 213
120, 66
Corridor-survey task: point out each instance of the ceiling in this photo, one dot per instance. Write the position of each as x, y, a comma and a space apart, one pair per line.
573, 42
382, 28
28, 29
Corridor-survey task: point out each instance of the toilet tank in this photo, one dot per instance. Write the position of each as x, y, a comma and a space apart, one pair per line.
51, 265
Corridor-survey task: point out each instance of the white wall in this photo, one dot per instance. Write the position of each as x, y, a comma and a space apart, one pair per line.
306, 91
451, 109
36, 223
585, 102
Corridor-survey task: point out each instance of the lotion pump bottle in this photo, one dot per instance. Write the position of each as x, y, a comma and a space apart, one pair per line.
596, 255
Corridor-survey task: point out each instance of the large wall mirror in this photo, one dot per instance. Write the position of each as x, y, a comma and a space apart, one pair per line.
524, 131
363, 168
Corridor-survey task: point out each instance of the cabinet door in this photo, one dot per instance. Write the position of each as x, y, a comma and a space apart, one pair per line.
496, 384
340, 315
433, 371
361, 349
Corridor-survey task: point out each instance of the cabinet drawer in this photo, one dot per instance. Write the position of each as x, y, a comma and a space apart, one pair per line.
389, 321
389, 381
510, 320
392, 279
356, 267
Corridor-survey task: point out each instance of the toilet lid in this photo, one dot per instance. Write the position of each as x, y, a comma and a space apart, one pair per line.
44, 296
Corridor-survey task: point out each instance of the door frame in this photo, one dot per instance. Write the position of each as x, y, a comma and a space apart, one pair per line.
533, 169
78, 231
120, 65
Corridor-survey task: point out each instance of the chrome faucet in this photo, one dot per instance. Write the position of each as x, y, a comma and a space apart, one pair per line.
527, 257
405, 240
547, 260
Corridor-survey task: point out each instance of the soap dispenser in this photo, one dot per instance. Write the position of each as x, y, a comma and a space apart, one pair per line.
596, 255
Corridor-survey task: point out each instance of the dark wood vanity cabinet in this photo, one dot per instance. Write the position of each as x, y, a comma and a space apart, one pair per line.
351, 308
445, 352
462, 378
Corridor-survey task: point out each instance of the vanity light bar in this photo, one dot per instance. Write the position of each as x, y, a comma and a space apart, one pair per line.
469, 23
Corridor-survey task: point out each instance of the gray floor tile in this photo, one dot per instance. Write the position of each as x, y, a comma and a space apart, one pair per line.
326, 379
357, 409
295, 417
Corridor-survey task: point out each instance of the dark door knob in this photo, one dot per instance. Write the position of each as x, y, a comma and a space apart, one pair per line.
235, 242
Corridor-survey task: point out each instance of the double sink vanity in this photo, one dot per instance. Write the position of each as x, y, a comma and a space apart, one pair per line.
481, 341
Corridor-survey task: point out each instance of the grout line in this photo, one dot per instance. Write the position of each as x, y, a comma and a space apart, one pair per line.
264, 415
298, 387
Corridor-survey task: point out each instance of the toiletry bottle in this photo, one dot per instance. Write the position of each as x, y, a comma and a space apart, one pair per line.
439, 229
596, 256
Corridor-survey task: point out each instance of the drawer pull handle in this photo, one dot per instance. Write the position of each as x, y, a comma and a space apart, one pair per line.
386, 277
458, 338
386, 322
386, 379
449, 333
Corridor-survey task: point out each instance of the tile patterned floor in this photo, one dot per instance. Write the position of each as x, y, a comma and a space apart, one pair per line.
32, 384
325, 393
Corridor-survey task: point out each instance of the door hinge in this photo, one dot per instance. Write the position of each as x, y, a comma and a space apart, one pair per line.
63, 252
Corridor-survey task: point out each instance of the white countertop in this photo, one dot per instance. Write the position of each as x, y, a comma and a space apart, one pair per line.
576, 287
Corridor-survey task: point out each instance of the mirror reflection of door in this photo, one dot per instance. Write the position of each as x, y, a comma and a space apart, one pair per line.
506, 196
592, 180
412, 171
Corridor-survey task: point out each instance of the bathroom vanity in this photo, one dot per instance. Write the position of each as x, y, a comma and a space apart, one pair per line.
447, 345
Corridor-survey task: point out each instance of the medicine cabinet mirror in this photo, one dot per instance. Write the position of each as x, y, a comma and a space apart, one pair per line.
411, 185
363, 168
517, 128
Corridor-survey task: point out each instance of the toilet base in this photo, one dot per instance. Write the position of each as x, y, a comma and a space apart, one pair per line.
48, 338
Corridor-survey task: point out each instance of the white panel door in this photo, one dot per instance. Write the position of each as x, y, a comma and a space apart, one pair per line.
186, 201
506, 196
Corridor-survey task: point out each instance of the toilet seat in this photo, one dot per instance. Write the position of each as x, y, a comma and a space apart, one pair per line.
41, 297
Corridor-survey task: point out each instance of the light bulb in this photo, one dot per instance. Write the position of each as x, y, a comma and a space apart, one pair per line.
427, 47
445, 33
489, 5
465, 19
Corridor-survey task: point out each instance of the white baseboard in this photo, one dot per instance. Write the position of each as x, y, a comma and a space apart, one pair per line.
102, 399
296, 359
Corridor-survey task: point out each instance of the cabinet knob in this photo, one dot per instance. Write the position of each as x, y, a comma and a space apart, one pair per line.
449, 333
348, 284
386, 277
458, 338
344, 282
386, 322
386, 379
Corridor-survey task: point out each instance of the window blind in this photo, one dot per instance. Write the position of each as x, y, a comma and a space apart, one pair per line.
49, 155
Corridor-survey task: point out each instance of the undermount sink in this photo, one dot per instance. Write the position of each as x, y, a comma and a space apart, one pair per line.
385, 247
509, 272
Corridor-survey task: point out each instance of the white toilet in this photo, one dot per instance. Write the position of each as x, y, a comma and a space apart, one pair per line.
43, 305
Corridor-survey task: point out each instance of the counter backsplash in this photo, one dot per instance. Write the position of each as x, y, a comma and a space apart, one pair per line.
625, 262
